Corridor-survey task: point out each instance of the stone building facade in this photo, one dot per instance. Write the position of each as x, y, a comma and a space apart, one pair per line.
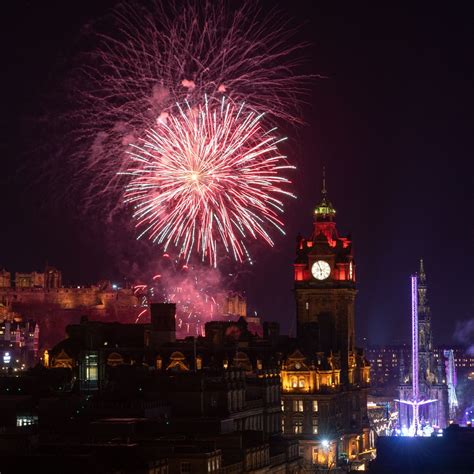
326, 379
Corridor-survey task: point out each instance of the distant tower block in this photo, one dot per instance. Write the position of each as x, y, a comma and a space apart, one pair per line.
235, 304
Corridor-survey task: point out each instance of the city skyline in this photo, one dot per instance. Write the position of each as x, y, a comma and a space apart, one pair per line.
236, 237
389, 122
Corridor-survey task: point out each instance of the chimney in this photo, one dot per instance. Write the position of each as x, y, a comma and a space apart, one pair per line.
163, 323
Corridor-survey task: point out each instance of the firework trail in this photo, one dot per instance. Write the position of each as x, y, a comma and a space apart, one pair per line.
146, 59
209, 177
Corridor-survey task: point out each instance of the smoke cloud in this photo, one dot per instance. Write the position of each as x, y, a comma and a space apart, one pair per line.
464, 334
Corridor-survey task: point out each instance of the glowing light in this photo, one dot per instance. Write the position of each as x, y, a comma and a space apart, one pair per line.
416, 401
142, 312
208, 179
325, 443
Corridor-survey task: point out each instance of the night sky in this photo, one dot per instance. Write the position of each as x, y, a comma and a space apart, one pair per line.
392, 123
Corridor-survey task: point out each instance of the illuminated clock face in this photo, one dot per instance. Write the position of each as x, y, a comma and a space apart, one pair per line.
320, 270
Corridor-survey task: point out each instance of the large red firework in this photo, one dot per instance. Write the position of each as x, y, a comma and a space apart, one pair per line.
208, 177
145, 58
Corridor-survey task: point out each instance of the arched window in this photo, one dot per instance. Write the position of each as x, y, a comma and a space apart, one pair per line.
301, 382
294, 382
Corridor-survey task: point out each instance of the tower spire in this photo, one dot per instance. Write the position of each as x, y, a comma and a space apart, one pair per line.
324, 211
323, 190
422, 272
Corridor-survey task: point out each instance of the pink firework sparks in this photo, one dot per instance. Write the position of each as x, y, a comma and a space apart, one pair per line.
169, 51
209, 177
152, 57
197, 291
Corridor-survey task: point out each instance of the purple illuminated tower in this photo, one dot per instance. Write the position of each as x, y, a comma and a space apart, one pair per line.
416, 400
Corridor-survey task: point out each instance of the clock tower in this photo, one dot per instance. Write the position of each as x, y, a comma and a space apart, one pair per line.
325, 291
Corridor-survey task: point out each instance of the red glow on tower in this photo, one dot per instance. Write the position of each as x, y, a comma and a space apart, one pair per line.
324, 247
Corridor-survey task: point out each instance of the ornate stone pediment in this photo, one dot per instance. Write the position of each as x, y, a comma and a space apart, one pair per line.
63, 360
178, 362
296, 361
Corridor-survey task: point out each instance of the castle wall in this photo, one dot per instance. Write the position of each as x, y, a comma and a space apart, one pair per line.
56, 308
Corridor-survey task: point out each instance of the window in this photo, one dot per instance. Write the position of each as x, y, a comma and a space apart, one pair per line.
298, 405
315, 405
92, 371
315, 426
298, 426
283, 425
185, 467
26, 420
301, 382
294, 382
283, 405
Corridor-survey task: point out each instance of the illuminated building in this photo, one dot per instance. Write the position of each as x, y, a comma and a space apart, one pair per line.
234, 305
325, 380
383, 415
385, 364
387, 361
429, 383
462, 357
40, 296
18, 344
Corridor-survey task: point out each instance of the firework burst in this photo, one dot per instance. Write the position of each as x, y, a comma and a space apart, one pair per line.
143, 59
209, 177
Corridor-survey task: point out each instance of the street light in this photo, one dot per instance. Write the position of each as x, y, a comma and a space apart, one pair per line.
326, 446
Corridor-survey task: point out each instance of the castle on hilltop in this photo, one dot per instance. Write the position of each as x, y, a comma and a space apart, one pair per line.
40, 296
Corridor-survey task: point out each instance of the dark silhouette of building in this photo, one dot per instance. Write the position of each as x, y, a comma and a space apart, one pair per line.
451, 453
114, 391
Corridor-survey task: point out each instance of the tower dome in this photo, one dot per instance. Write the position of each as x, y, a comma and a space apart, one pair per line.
324, 211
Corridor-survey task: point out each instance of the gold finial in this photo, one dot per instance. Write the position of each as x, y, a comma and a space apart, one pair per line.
324, 210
